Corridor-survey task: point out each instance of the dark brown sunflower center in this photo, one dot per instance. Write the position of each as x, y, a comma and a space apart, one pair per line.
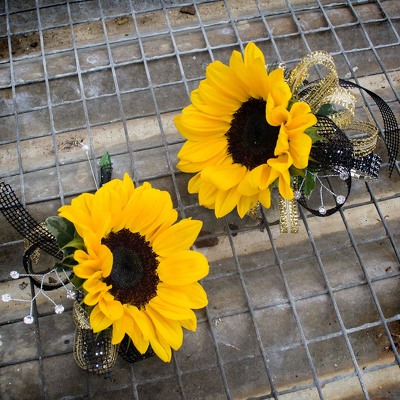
133, 277
251, 139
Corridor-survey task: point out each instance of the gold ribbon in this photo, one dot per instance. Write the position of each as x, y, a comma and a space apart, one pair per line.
328, 91
35, 256
288, 216
324, 91
93, 352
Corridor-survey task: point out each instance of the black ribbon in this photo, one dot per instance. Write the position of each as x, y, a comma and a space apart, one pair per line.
392, 133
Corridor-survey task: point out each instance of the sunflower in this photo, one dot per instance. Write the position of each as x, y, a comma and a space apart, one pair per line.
245, 133
140, 277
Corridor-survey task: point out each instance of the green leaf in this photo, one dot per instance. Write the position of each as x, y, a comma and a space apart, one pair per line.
326, 110
105, 160
291, 102
295, 171
309, 184
62, 229
313, 133
76, 243
77, 282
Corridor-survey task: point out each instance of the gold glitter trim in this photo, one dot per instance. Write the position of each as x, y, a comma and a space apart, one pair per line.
93, 352
80, 316
255, 212
366, 145
328, 91
35, 256
288, 216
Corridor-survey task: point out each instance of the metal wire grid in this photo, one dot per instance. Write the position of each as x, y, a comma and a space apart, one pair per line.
268, 382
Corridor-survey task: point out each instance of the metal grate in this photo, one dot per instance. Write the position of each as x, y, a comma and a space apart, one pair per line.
311, 315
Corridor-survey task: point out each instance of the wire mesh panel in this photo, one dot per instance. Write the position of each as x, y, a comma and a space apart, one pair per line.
311, 315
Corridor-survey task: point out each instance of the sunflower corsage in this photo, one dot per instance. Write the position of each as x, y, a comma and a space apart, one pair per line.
133, 262
251, 128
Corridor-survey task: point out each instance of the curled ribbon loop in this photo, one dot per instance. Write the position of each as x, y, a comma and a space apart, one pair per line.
346, 148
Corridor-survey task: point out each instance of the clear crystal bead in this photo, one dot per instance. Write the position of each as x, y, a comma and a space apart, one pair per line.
28, 319
322, 210
340, 199
297, 195
14, 274
6, 297
59, 309
71, 294
343, 175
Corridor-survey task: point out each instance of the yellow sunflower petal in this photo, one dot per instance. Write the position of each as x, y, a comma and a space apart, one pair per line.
94, 284
216, 99
225, 80
94, 261
197, 127
168, 219
169, 330
92, 298
142, 320
161, 348
275, 77
121, 326
236, 64
98, 321
192, 295
134, 329
282, 144
226, 201
251, 71
253, 54
272, 177
145, 209
281, 163
137, 337
281, 94
224, 177
189, 324
213, 108
192, 111
86, 269
194, 183
300, 147
285, 189
179, 236
193, 167
207, 194
246, 203
79, 212
201, 151
299, 108
92, 243
276, 116
183, 268
170, 310
127, 185
265, 198
255, 180
164, 215
101, 212
300, 124
111, 308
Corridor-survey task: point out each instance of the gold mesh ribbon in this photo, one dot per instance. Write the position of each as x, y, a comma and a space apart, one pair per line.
328, 91
93, 352
35, 256
288, 216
